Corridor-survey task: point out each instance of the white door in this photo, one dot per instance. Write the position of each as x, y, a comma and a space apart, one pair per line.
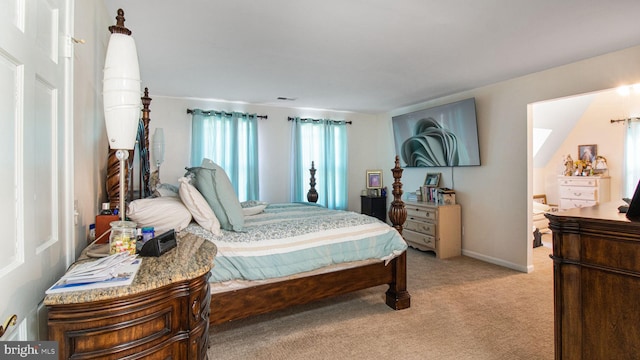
36, 213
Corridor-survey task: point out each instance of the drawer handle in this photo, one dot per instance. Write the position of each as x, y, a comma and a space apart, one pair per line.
577, 194
195, 308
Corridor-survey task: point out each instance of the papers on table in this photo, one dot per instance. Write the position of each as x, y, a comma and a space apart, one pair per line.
114, 270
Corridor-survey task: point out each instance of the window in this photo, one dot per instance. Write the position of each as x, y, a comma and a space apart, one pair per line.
231, 141
325, 143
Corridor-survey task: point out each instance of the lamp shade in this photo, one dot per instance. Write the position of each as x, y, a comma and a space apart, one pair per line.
121, 92
158, 146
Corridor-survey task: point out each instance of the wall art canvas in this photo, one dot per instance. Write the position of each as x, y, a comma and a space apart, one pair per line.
445, 135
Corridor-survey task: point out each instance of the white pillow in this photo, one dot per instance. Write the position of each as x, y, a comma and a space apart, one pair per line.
540, 208
253, 207
163, 213
198, 206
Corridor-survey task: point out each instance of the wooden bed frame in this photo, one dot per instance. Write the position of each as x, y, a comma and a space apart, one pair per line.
261, 299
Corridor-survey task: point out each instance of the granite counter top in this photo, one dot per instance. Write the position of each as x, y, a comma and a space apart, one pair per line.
192, 257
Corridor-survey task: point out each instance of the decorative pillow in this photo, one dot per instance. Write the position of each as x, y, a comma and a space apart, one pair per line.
253, 207
163, 213
198, 207
165, 190
214, 185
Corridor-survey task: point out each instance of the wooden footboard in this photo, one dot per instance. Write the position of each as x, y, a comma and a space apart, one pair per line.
261, 299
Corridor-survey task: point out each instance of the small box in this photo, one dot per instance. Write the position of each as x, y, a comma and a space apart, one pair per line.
446, 197
103, 225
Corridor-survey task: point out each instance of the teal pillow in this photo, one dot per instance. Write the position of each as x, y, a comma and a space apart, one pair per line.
213, 183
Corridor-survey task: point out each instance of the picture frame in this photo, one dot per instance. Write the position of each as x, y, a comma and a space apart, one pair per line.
588, 153
373, 193
374, 179
432, 180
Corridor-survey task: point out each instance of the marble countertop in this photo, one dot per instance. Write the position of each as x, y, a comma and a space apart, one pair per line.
192, 257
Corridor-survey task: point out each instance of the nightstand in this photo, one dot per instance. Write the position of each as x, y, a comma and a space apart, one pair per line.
431, 227
375, 206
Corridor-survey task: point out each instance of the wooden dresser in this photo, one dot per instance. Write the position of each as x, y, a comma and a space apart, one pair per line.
583, 191
596, 254
431, 227
163, 314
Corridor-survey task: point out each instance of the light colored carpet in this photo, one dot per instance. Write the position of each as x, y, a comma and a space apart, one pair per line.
461, 308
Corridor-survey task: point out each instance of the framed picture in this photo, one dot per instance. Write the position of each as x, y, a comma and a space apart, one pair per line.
374, 179
432, 180
373, 192
587, 153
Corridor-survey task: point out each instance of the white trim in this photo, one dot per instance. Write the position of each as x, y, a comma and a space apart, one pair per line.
496, 261
68, 167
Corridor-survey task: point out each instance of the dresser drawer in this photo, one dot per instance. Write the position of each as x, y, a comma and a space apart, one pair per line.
418, 238
580, 181
576, 203
421, 227
578, 192
421, 213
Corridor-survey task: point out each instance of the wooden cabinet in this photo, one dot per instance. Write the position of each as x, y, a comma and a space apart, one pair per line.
375, 206
596, 283
163, 314
583, 191
431, 227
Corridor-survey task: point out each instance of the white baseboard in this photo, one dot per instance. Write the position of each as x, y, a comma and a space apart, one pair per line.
496, 261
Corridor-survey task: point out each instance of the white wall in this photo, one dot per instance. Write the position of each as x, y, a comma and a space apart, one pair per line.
366, 143
496, 197
90, 140
593, 127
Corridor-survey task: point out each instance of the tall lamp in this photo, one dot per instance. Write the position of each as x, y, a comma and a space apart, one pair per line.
121, 96
158, 148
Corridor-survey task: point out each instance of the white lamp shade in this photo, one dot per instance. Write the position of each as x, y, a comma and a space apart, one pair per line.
158, 146
121, 92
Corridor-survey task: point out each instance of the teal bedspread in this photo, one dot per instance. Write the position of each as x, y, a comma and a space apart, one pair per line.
287, 239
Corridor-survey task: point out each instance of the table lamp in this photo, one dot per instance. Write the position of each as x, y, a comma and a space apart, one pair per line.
158, 147
121, 96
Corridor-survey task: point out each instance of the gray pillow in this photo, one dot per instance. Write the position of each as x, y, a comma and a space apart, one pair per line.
213, 183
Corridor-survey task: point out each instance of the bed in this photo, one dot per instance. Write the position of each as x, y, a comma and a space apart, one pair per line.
357, 251
540, 207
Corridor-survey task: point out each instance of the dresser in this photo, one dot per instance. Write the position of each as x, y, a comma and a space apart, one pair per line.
431, 227
163, 314
596, 276
375, 206
583, 191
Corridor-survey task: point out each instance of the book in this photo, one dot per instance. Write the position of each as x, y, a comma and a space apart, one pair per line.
114, 270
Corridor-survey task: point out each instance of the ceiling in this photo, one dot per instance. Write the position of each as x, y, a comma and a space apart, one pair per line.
366, 56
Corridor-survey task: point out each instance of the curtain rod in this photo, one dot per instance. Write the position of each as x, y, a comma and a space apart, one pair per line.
627, 119
317, 120
190, 111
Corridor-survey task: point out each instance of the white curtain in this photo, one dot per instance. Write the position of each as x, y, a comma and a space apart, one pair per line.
631, 173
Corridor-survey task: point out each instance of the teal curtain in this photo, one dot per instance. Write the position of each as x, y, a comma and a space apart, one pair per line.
325, 143
231, 141
631, 157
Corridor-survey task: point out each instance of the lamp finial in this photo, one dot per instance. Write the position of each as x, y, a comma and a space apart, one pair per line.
119, 27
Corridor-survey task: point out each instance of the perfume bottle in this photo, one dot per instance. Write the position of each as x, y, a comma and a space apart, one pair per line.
106, 209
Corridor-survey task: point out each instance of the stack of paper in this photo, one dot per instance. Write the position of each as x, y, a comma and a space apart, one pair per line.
114, 270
